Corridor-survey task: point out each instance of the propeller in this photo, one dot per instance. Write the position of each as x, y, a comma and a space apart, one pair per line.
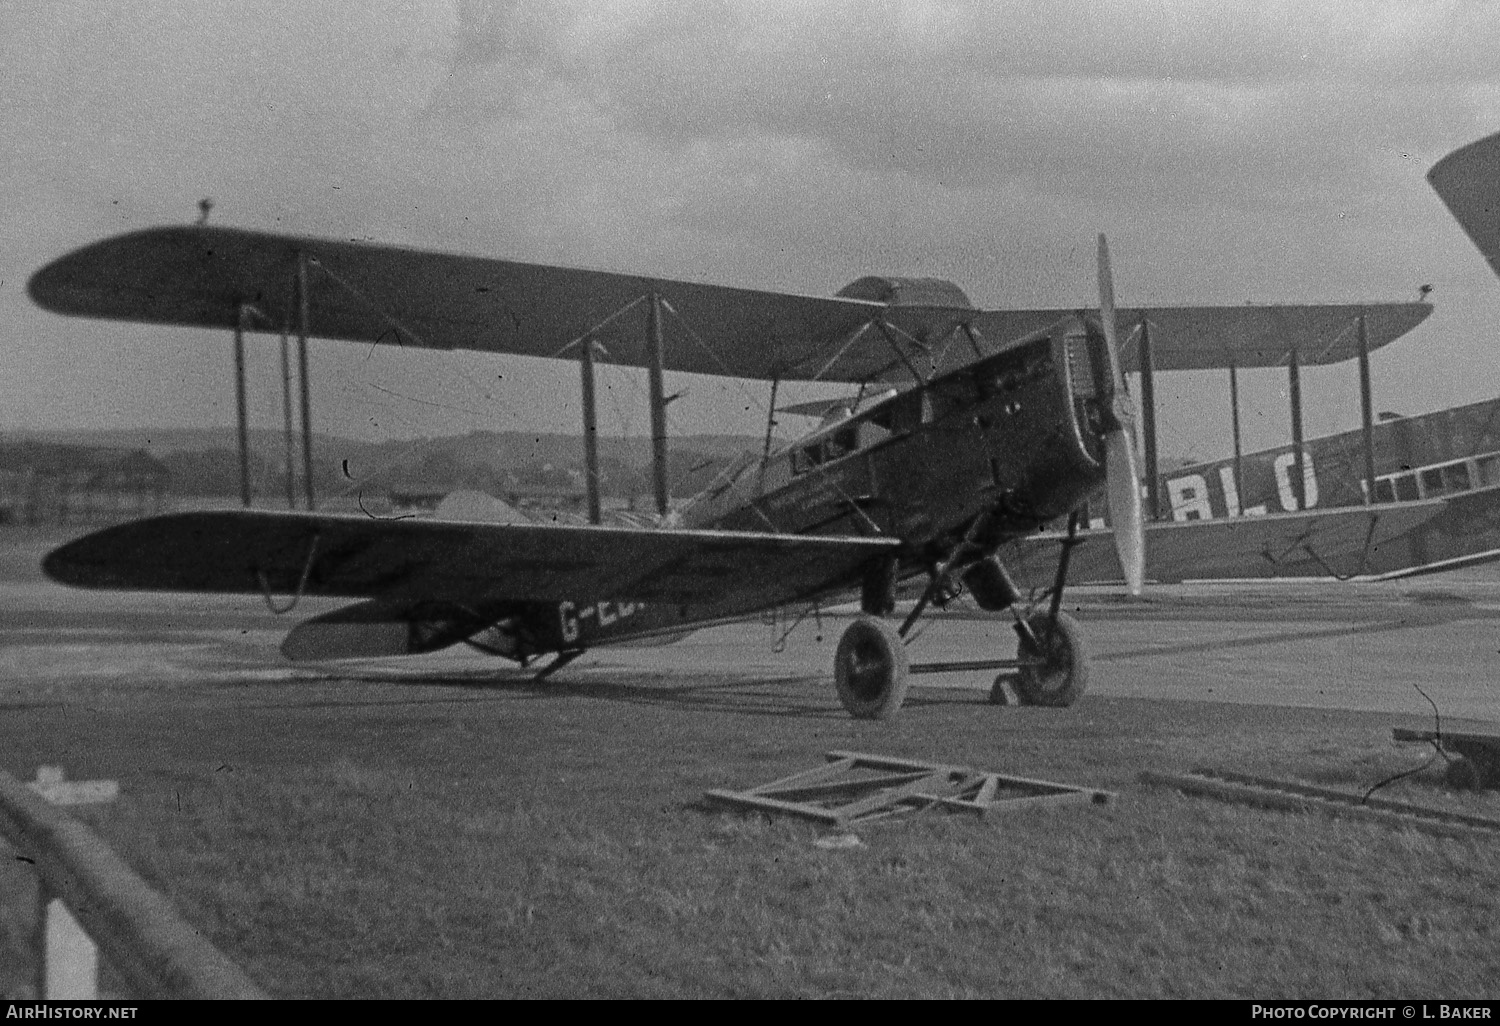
1120, 464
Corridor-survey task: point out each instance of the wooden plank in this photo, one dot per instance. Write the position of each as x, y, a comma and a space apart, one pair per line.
1291, 802
904, 787
887, 762
836, 787
1345, 797
1007, 780
923, 785
760, 803
1012, 804
818, 773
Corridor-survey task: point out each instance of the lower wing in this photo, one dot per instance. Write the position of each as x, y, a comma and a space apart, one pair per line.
1354, 541
250, 551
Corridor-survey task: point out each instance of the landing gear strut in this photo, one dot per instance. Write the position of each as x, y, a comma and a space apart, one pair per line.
1051, 663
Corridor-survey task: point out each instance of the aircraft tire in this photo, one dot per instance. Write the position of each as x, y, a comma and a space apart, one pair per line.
1065, 675
870, 669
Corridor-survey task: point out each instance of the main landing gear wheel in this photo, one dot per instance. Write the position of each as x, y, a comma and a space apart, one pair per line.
870, 669
1063, 671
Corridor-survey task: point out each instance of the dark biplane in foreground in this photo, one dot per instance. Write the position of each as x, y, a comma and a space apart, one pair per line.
978, 427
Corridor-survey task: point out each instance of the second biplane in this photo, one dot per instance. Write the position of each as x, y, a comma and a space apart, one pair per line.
973, 428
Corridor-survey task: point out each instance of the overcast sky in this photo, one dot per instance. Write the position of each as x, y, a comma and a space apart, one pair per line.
1262, 151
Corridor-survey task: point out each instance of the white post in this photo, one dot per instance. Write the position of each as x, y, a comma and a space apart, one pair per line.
68, 969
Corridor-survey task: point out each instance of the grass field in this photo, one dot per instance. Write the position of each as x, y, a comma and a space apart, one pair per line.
369, 839
450, 836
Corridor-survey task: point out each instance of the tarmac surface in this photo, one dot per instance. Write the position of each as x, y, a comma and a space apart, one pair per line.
1364, 647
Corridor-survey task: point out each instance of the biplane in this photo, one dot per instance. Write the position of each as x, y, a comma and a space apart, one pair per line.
971, 428
1428, 485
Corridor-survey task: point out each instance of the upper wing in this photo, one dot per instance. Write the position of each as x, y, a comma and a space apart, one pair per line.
262, 551
1468, 181
201, 275
1343, 542
1212, 337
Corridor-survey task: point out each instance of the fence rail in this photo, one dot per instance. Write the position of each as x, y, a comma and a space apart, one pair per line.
153, 949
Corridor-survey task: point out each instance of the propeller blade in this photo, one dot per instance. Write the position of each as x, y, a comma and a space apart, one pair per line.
1125, 508
1124, 479
1107, 320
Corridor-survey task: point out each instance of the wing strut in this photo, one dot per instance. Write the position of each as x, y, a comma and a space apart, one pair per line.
658, 403
1366, 411
303, 317
241, 413
765, 455
1299, 464
590, 429
244, 313
972, 334
888, 330
1239, 452
655, 372
289, 457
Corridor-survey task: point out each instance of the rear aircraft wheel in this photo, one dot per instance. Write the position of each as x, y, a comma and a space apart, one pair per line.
1062, 674
870, 669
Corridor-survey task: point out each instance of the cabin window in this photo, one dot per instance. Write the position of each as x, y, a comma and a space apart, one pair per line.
1385, 491
1406, 487
1456, 477
1446, 479
1487, 469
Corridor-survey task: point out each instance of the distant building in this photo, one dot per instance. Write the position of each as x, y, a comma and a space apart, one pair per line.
48, 483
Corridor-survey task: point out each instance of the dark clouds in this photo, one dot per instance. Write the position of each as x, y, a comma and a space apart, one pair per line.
1267, 151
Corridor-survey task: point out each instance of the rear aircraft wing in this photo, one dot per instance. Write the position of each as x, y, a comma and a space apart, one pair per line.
253, 551
1340, 542
201, 275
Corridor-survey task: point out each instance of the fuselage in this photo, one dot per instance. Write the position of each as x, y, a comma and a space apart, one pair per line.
1004, 444
1453, 455
1421, 457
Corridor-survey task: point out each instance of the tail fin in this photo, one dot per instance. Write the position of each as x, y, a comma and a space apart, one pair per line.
1468, 182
